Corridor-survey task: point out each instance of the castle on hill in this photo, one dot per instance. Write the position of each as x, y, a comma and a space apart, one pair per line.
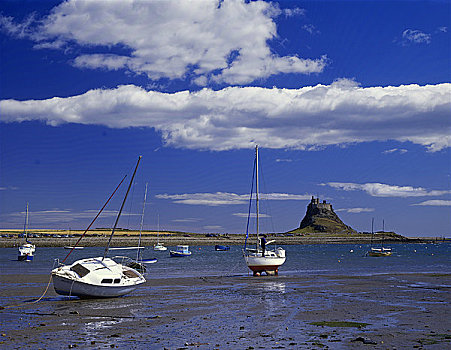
314, 203
320, 217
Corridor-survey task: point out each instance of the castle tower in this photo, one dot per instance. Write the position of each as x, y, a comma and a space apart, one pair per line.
320, 217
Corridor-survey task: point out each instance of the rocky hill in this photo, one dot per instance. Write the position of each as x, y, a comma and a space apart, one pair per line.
321, 218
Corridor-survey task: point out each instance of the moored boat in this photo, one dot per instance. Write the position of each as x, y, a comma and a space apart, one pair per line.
219, 247
98, 277
181, 251
262, 260
26, 250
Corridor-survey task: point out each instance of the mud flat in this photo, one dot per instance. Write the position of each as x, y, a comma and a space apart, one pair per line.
385, 311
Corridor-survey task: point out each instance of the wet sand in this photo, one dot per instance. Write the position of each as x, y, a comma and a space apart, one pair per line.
401, 311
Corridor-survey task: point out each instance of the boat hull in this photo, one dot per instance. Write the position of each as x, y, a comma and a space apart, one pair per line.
175, 254
67, 286
266, 264
221, 247
25, 257
377, 254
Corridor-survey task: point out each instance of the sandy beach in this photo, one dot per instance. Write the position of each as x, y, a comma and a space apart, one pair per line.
387, 311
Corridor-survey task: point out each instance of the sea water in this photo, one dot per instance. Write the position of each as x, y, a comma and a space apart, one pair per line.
304, 260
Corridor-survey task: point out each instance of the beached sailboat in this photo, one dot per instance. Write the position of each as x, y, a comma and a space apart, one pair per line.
260, 259
98, 277
181, 251
26, 250
378, 252
159, 246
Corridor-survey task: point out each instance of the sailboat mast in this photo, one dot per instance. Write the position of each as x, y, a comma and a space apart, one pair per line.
256, 193
26, 221
122, 207
142, 222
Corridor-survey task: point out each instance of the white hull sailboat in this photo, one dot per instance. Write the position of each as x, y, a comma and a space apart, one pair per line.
378, 252
26, 250
159, 246
98, 277
261, 260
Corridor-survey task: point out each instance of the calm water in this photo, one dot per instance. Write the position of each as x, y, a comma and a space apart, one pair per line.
301, 260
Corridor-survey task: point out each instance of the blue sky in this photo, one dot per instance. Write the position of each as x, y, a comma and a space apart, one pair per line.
348, 100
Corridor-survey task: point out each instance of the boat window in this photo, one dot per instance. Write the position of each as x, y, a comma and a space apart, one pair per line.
117, 280
80, 270
107, 280
130, 274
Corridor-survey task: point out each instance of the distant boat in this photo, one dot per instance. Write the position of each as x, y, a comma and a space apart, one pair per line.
378, 252
159, 246
99, 277
71, 247
181, 251
221, 247
26, 250
260, 259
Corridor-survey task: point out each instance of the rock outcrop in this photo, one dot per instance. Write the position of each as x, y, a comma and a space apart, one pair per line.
320, 217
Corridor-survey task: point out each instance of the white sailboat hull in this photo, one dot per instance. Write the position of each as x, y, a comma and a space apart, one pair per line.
269, 263
66, 286
26, 252
160, 247
96, 278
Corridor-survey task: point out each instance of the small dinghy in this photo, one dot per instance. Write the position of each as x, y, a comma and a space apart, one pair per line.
181, 251
221, 247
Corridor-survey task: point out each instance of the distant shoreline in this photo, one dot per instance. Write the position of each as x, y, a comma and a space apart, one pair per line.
95, 238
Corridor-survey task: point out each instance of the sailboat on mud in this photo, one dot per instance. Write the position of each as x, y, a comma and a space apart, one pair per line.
260, 259
26, 250
98, 277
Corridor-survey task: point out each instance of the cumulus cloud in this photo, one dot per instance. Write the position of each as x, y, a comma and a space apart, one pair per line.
218, 41
435, 203
240, 117
225, 198
384, 190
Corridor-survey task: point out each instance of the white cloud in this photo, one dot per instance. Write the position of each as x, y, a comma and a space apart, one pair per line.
284, 160
252, 215
416, 36
311, 29
225, 198
395, 150
294, 12
224, 41
355, 210
384, 190
435, 203
186, 220
213, 227
239, 117
60, 215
